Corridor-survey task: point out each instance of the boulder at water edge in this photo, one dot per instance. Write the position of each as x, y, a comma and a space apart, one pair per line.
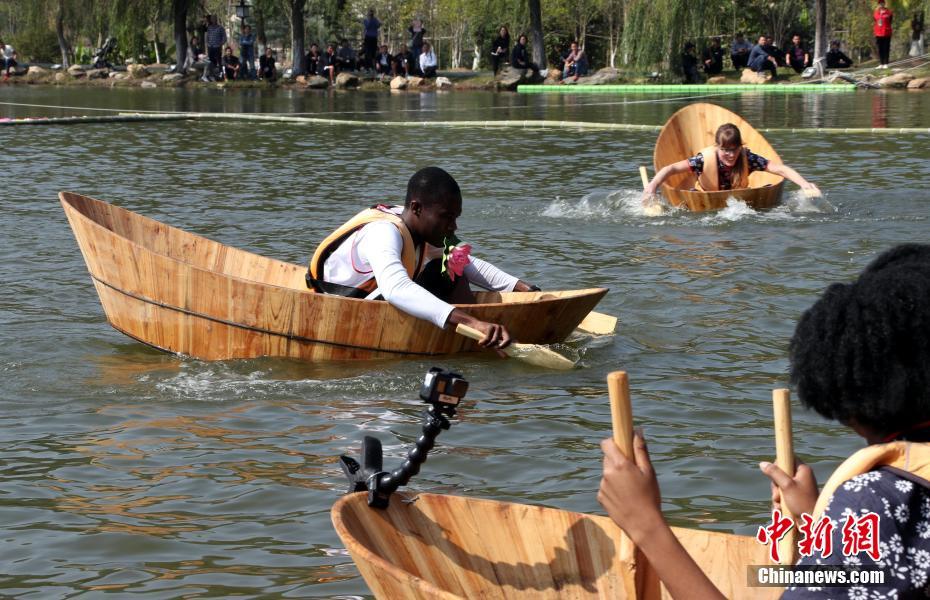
172, 77
137, 71
98, 73
717, 80
750, 76
413, 82
76, 71
346, 80
509, 78
603, 76
443, 83
553, 77
919, 83
148, 84
399, 83
315, 82
898, 80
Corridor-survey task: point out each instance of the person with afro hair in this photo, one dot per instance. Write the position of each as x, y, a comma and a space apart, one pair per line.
860, 356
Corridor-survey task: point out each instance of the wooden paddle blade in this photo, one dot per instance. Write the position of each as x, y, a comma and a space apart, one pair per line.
533, 354
645, 175
598, 324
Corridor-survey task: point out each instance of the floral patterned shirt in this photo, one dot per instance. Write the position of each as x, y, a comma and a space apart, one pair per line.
904, 537
756, 163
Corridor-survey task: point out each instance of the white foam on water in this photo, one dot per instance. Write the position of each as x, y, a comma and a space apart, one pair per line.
617, 205
735, 210
798, 203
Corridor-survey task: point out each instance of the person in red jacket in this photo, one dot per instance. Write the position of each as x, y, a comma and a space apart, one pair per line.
882, 29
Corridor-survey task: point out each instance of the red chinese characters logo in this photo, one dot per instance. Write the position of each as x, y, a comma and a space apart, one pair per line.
860, 534
816, 536
772, 533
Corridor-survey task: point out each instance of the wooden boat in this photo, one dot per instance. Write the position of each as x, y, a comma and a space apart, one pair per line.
428, 546
692, 129
187, 294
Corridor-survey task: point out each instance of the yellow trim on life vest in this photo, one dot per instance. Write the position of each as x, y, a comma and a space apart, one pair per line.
912, 457
411, 259
709, 179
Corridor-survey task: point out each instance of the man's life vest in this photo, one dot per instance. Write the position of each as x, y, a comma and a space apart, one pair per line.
910, 460
410, 257
709, 179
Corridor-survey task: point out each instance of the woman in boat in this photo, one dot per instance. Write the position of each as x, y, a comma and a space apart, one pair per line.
410, 257
861, 356
724, 166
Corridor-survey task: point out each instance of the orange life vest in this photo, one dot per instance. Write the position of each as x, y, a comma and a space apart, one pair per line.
907, 457
709, 179
411, 258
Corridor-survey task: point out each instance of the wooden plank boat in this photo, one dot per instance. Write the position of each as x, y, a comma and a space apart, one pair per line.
426, 546
187, 294
692, 129
450, 547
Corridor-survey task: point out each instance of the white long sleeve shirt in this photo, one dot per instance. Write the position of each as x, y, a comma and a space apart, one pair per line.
375, 250
427, 59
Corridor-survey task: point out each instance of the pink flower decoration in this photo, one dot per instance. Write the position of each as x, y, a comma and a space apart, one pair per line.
458, 259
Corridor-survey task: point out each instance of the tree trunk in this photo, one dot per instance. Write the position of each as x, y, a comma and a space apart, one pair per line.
820, 37
260, 30
476, 60
539, 45
297, 37
60, 30
179, 8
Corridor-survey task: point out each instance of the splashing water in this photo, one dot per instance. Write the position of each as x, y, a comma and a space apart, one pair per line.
607, 206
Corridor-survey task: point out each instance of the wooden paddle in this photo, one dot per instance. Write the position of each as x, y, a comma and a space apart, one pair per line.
598, 324
653, 207
784, 458
531, 353
645, 582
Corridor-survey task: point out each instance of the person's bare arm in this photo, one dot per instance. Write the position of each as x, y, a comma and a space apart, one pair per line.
791, 175
663, 174
630, 493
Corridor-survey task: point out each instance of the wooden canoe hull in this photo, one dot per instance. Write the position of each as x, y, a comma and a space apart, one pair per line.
692, 129
187, 294
452, 547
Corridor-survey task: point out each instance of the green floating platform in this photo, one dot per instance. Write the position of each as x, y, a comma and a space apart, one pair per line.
680, 87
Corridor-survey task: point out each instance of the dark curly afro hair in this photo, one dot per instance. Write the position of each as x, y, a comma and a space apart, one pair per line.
862, 352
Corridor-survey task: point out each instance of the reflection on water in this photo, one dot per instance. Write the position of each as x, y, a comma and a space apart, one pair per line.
125, 469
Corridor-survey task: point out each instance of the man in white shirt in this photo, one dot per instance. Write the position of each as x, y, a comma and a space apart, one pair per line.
7, 59
396, 253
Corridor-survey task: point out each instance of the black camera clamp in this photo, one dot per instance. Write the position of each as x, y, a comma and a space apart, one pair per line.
442, 390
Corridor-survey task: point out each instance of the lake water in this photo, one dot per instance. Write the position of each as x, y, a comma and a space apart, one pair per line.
123, 469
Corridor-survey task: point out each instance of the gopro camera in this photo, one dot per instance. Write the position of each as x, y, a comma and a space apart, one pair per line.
443, 388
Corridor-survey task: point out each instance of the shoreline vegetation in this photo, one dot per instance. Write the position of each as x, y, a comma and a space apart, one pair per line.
157, 76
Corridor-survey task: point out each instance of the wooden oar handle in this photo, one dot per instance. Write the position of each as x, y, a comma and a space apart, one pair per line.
469, 332
645, 175
784, 459
621, 411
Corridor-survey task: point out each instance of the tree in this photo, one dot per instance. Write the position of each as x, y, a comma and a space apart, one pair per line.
297, 36
536, 33
820, 35
180, 8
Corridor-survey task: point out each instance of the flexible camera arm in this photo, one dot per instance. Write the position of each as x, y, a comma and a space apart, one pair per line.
439, 389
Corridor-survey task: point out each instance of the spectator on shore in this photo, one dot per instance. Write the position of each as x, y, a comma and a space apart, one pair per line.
7, 59
371, 25
797, 57
194, 51
403, 62
384, 62
328, 62
231, 65
917, 35
760, 58
266, 69
576, 63
346, 57
428, 62
739, 52
247, 52
500, 48
836, 59
689, 63
313, 60
520, 57
216, 39
713, 58
882, 30
417, 31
